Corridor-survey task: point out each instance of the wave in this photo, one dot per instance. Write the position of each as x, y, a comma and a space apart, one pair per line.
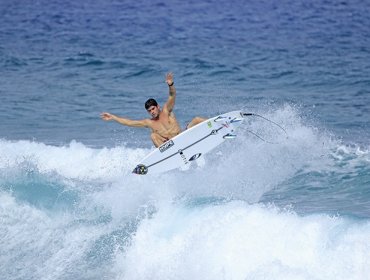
180, 241
240, 241
245, 168
78, 212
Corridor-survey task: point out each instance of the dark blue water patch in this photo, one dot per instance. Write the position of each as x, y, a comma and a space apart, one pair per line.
95, 62
84, 61
141, 73
13, 63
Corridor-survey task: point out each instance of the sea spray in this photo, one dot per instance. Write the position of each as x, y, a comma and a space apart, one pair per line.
251, 210
240, 241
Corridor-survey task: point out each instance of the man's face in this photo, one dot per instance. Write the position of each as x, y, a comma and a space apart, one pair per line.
153, 111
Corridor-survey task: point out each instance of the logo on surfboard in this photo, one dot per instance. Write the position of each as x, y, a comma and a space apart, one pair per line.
194, 157
165, 146
183, 157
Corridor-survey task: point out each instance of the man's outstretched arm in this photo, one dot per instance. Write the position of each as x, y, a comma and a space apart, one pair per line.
134, 123
172, 93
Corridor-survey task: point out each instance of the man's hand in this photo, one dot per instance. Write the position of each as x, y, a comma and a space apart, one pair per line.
106, 116
169, 79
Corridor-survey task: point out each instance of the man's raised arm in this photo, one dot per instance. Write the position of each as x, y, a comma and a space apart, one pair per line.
172, 93
124, 121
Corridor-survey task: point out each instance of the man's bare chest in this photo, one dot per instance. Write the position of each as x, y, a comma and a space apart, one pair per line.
165, 125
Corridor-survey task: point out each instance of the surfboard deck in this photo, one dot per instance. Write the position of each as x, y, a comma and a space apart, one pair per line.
191, 144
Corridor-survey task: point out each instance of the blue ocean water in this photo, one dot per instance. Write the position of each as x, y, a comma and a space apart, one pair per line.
70, 207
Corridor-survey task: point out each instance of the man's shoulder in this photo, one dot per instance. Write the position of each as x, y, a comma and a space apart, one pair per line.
152, 122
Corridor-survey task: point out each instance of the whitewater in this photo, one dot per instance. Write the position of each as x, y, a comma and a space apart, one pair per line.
77, 212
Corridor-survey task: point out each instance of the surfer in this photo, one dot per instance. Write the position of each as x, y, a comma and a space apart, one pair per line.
163, 122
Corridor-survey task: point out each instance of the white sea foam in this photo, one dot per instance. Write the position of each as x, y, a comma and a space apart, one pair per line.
124, 226
240, 241
74, 161
35, 245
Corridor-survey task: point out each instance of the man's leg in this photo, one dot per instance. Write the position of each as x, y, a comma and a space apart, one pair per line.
157, 139
195, 121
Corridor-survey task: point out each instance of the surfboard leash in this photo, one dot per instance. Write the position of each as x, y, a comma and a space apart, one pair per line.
266, 119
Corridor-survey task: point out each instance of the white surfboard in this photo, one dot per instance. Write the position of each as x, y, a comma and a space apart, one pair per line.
191, 144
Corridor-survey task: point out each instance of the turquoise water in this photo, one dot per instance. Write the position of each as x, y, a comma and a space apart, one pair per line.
70, 207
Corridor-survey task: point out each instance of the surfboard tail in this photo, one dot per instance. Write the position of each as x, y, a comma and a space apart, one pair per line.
140, 169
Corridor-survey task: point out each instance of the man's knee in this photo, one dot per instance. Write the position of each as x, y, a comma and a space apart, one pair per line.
199, 119
154, 136
195, 121
157, 139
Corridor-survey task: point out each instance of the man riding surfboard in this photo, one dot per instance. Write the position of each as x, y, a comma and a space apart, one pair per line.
163, 122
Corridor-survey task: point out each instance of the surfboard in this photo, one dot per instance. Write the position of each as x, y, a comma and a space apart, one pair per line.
191, 144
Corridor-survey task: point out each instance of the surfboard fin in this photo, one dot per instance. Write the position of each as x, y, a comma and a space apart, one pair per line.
229, 136
236, 120
219, 119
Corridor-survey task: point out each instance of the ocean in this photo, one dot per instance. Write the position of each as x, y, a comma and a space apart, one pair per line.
297, 208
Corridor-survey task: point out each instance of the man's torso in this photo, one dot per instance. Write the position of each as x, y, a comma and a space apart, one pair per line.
166, 126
